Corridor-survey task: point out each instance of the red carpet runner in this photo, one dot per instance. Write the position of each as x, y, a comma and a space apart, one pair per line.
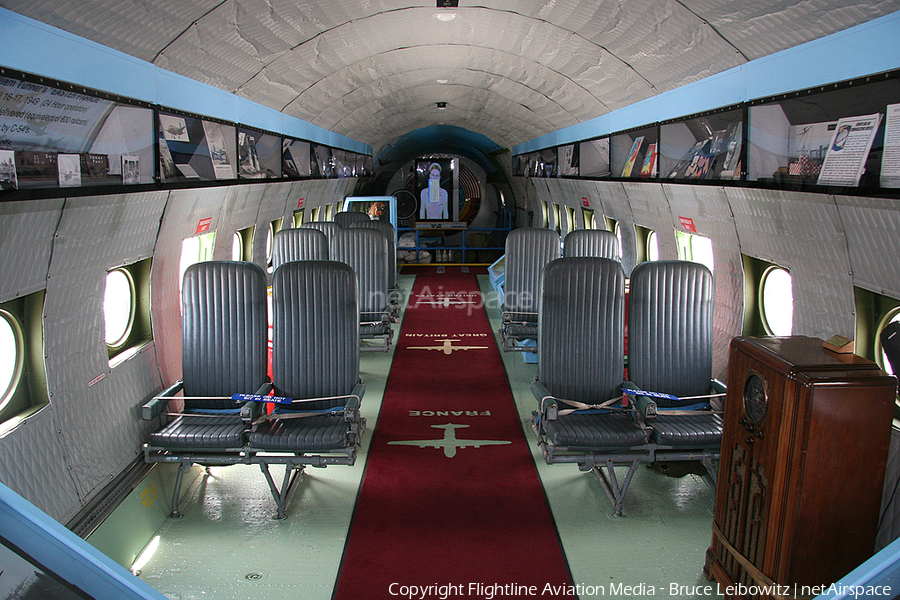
451, 505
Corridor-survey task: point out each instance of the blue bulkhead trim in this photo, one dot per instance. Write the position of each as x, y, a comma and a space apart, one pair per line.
74, 560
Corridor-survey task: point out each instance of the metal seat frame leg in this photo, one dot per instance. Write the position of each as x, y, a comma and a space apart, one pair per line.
614, 491
292, 475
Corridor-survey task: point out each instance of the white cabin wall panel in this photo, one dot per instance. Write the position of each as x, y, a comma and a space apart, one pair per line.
872, 226
803, 233
651, 209
616, 205
564, 192
26, 243
271, 203
95, 406
32, 463
543, 194
186, 212
239, 211
522, 190
708, 208
296, 199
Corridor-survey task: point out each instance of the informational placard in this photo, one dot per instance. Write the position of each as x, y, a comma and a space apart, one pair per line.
194, 148
39, 117
890, 160
218, 149
568, 160
848, 149
8, 180
69, 166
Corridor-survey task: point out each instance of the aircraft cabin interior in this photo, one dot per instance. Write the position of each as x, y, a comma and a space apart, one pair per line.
556, 298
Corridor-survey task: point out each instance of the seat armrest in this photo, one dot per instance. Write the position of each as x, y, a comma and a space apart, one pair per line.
154, 407
717, 387
547, 404
644, 404
353, 402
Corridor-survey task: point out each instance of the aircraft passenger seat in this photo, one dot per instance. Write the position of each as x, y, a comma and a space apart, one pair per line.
592, 242
391, 234
581, 418
224, 352
670, 348
327, 227
367, 251
348, 218
528, 250
298, 244
315, 369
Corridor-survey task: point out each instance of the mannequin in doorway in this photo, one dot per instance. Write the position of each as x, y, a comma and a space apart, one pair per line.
434, 197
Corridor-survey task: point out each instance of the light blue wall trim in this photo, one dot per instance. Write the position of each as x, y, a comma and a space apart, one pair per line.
34, 47
66, 554
881, 571
856, 52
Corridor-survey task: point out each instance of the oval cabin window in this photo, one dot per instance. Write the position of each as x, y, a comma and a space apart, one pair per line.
892, 317
777, 301
118, 307
11, 356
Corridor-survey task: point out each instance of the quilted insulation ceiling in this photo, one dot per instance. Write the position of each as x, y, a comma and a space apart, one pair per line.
374, 70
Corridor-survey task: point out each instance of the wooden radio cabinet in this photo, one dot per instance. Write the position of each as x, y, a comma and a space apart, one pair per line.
801, 470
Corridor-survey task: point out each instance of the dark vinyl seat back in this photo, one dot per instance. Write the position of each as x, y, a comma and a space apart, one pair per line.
391, 234
298, 244
327, 227
581, 329
528, 250
367, 252
347, 218
224, 332
670, 328
592, 242
315, 334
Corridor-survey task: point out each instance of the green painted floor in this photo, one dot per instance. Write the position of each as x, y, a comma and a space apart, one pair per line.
228, 546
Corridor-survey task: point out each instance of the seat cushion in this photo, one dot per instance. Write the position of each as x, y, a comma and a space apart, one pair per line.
369, 329
522, 330
304, 434
608, 431
190, 432
702, 430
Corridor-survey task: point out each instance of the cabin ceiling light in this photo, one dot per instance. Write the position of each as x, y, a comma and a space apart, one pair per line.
441, 105
445, 17
443, 80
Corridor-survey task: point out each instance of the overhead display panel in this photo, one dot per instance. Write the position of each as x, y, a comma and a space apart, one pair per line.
705, 147
835, 136
259, 154
321, 162
55, 137
295, 158
194, 148
634, 153
594, 158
